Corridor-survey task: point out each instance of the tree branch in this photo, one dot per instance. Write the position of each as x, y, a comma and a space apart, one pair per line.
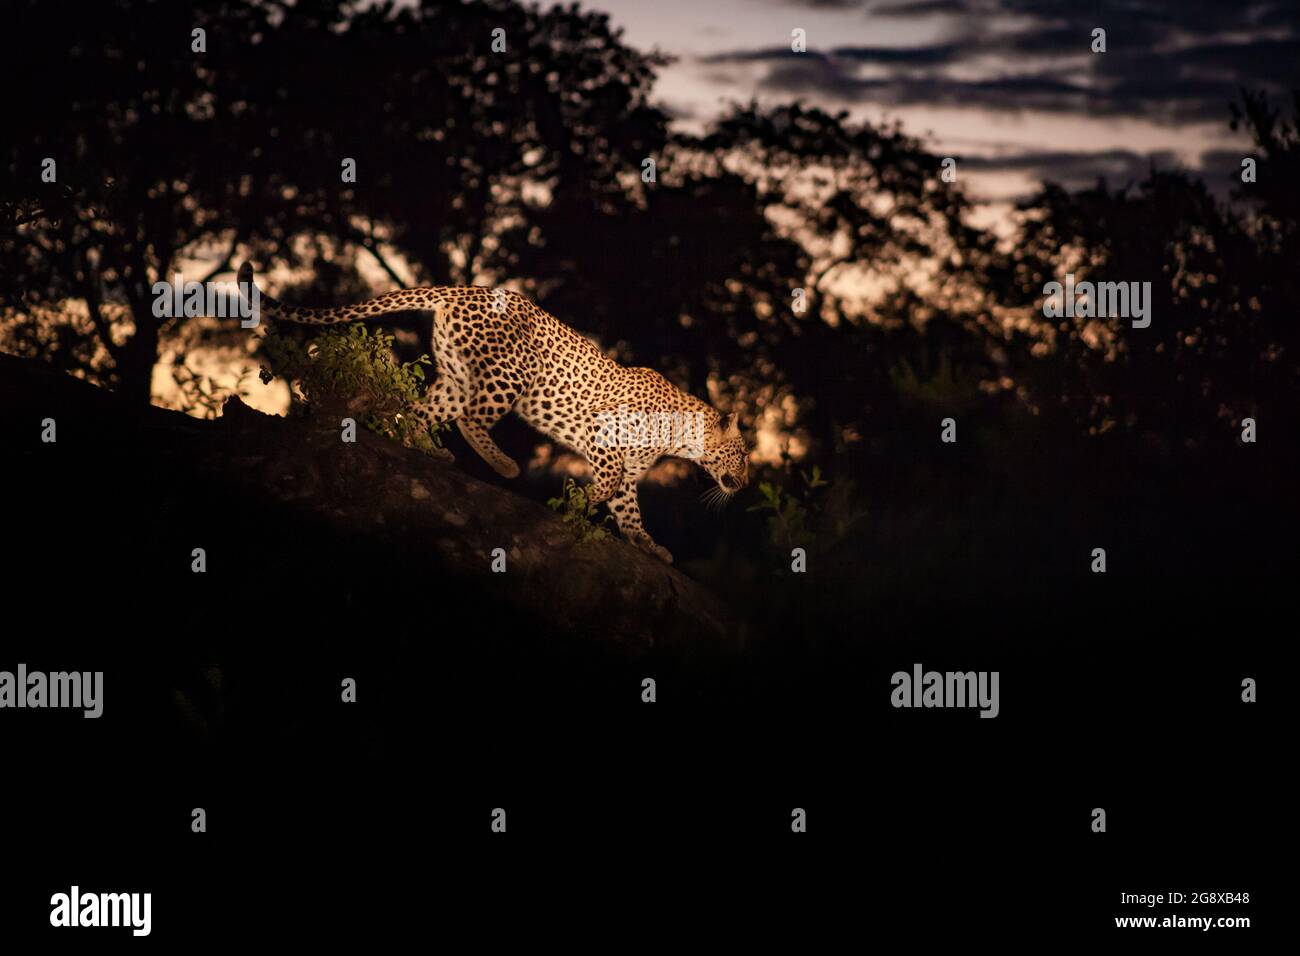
90, 292
224, 264
368, 243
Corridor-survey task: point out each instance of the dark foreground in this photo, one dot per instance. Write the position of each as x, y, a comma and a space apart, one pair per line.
222, 691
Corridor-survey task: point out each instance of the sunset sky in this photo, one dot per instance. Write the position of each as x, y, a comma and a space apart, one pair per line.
1009, 87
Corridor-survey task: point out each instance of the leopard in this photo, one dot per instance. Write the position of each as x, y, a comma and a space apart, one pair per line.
496, 352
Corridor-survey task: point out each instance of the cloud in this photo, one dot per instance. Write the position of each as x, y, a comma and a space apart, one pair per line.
1166, 63
823, 4
677, 110
919, 8
824, 76
903, 56
1219, 168
1075, 169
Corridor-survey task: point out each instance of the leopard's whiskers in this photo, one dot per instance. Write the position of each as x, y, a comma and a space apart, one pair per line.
715, 498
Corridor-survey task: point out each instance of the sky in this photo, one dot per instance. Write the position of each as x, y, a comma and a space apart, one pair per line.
1010, 88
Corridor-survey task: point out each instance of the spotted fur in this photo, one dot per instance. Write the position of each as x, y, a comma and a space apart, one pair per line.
497, 352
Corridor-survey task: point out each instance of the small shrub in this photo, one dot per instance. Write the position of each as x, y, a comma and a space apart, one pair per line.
353, 370
788, 521
578, 511
804, 516
199, 395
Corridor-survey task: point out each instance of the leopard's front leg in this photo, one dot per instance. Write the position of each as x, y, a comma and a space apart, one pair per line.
615, 474
627, 514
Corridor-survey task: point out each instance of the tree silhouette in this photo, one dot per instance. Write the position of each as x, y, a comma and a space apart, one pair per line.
1222, 341
161, 150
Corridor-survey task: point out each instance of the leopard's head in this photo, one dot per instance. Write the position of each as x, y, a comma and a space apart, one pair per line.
725, 455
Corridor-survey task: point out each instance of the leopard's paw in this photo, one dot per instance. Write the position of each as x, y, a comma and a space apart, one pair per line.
646, 543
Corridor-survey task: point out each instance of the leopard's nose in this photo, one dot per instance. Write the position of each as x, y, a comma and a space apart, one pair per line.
730, 483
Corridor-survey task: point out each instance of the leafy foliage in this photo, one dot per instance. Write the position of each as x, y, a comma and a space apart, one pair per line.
354, 367
578, 511
199, 394
805, 516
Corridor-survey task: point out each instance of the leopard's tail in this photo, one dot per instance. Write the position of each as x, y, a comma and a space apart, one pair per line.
399, 301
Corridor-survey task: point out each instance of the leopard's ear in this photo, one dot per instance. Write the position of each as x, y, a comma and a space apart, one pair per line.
731, 425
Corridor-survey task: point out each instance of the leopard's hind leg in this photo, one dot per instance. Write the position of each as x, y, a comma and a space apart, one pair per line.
487, 405
476, 434
493, 367
444, 402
